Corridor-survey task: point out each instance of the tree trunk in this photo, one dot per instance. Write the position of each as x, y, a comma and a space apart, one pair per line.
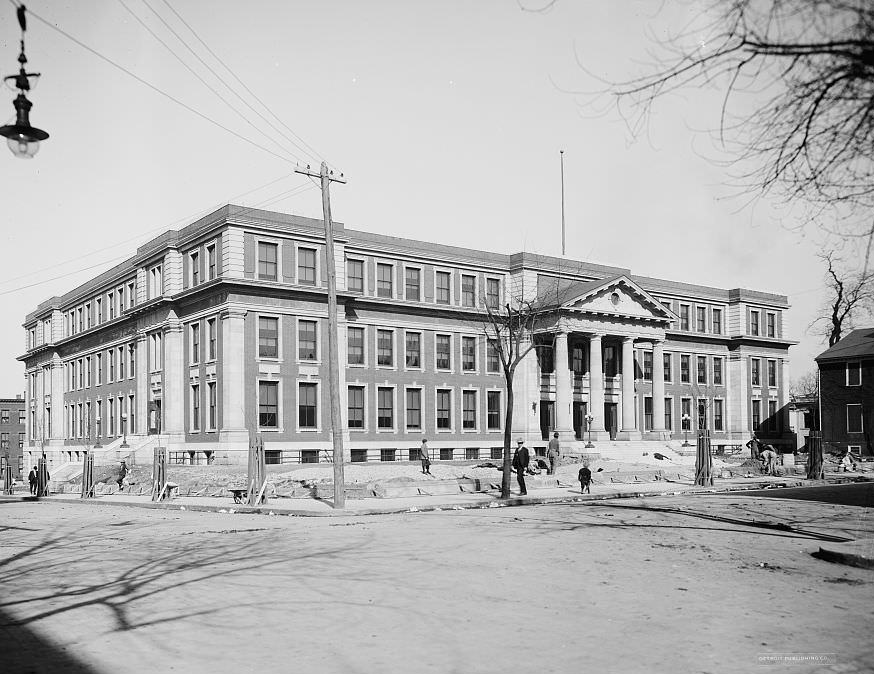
508, 432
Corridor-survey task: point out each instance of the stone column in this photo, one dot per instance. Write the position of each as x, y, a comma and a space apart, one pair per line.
173, 411
526, 397
658, 389
563, 389
596, 385
57, 401
629, 423
233, 434
142, 384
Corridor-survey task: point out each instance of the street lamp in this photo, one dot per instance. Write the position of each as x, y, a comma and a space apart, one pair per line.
22, 138
589, 420
124, 444
685, 419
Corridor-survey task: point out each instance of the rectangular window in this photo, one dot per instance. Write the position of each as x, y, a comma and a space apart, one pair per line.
87, 316
385, 407
111, 356
268, 254
493, 410
854, 418
854, 374
306, 266
772, 415
577, 363
211, 271
111, 412
355, 276
471, 453
384, 282
195, 343
268, 404
684, 368
213, 416
754, 322
446, 453
717, 416
98, 303
771, 325
701, 369
717, 371
99, 369
647, 413
668, 362
686, 413
717, 321
387, 454
88, 372
755, 376
444, 408
306, 340
772, 373
120, 363
211, 337
355, 346
701, 319
757, 414
306, 405
412, 284
443, 292
684, 317
268, 337
156, 284
194, 259
414, 349
414, 408
195, 407
468, 354
493, 293
669, 414
443, 350
702, 414
468, 410
358, 455
493, 359
110, 303
647, 365
356, 407
468, 290
385, 348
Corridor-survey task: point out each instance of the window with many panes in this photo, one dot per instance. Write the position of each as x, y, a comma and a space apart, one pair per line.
268, 404
717, 371
493, 293
701, 319
667, 358
685, 361
385, 407
195, 407
647, 413
701, 369
854, 373
717, 321
773, 420
755, 374
268, 337
268, 255
577, 362
414, 408
493, 359
771, 325
307, 406
647, 365
385, 348
211, 271
684, 317
194, 260
468, 354
306, 266
757, 414
413, 284
717, 415
211, 339
355, 345
493, 410
686, 413
772, 373
444, 408
306, 340
669, 414
356, 407
413, 352
195, 345
443, 352
468, 410
754, 322
355, 276
212, 415
468, 290
384, 285
702, 414
442, 287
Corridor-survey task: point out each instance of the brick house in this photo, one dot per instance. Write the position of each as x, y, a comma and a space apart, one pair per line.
13, 432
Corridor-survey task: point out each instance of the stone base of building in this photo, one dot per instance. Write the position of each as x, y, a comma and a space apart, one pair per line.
657, 435
629, 435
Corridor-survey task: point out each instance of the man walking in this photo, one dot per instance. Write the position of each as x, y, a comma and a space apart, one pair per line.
520, 463
553, 453
425, 458
31, 478
585, 478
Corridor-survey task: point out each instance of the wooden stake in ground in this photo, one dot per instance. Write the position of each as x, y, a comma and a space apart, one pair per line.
159, 473
704, 461
6, 470
814, 456
42, 477
88, 476
257, 471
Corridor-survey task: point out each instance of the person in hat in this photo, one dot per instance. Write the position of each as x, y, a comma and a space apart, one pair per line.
553, 453
425, 458
520, 463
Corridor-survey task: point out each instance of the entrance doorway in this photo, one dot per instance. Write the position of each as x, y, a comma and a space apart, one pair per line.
579, 420
547, 418
611, 419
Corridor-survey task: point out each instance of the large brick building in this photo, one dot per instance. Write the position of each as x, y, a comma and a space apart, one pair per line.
846, 374
13, 432
218, 330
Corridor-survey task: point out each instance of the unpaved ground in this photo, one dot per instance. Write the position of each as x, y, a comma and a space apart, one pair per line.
627, 586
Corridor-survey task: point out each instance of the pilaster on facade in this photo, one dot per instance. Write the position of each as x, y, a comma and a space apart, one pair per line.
142, 290
57, 325
173, 408
596, 386
142, 382
523, 286
629, 429
233, 253
233, 431
173, 269
738, 394
57, 401
526, 396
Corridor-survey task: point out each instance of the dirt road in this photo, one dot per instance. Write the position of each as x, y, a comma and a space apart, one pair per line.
655, 585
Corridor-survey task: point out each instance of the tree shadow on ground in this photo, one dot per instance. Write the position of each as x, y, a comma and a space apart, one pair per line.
27, 652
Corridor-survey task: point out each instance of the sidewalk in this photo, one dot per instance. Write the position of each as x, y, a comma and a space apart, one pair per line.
312, 507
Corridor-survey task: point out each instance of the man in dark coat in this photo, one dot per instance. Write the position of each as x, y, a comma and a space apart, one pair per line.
520, 463
553, 453
585, 478
31, 478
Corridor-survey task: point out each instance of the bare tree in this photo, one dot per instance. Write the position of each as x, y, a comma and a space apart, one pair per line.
805, 386
798, 106
850, 296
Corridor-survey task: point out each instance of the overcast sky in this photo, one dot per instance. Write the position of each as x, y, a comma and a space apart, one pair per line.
446, 117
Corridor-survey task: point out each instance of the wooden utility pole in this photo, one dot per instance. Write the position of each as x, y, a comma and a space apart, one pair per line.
561, 153
326, 178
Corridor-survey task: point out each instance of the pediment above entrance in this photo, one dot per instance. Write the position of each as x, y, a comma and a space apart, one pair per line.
617, 297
